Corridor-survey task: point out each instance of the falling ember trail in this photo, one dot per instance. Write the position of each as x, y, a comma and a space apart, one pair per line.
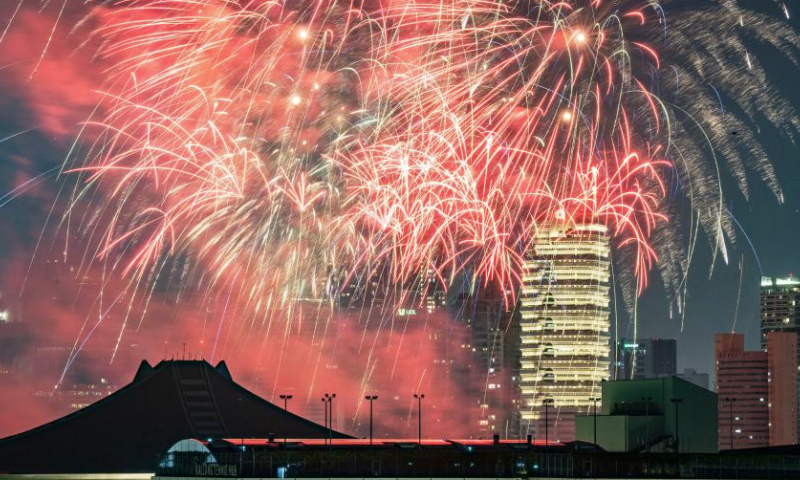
297, 147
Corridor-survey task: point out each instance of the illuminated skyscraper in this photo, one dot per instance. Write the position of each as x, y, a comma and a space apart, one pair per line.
564, 310
782, 362
743, 390
493, 352
780, 312
780, 306
646, 358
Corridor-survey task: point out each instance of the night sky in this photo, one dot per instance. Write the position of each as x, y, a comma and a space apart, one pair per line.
44, 99
773, 231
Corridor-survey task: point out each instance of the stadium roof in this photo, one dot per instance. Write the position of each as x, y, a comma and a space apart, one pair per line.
356, 443
130, 429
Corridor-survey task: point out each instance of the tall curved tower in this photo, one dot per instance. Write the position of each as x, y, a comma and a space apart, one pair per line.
564, 322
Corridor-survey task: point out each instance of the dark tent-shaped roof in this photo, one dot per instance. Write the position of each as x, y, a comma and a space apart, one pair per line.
128, 430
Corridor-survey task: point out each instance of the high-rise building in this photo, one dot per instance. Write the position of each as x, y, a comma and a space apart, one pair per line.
742, 388
780, 306
780, 312
626, 364
373, 291
368, 290
493, 352
646, 358
782, 362
564, 322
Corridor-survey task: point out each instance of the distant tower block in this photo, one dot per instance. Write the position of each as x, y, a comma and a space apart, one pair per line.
780, 312
564, 310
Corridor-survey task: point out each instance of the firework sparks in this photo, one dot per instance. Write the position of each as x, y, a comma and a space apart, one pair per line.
293, 144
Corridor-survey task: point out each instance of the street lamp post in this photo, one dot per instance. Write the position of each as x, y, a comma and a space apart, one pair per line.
646, 401
330, 430
594, 401
328, 399
547, 402
241, 419
677, 402
325, 409
241, 448
730, 401
371, 399
419, 398
285, 399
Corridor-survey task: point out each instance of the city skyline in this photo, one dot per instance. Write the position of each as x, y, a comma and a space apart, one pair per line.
80, 307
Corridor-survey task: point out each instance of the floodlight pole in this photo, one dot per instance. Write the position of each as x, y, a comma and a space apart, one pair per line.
419, 398
371, 399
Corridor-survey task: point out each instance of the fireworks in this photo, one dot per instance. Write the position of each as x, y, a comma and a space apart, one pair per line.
290, 145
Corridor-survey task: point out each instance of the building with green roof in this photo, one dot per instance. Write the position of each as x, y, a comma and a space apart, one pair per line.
652, 415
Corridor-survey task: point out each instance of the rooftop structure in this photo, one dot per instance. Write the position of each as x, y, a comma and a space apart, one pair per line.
653, 415
268, 458
693, 376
